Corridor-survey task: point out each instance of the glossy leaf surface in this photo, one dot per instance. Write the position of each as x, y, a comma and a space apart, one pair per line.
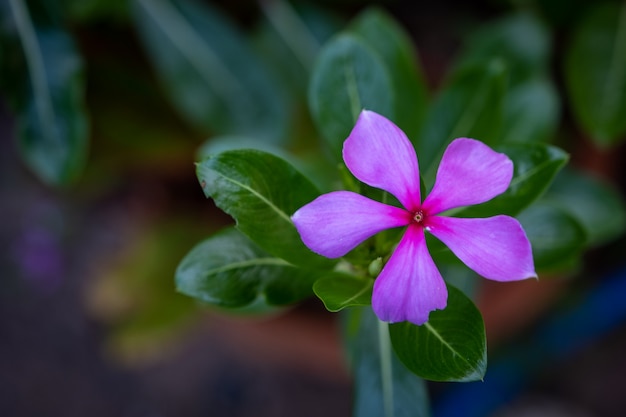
338, 291
450, 346
261, 192
229, 270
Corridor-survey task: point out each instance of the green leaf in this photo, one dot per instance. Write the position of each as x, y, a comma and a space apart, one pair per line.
595, 73
531, 112
520, 40
210, 71
290, 39
470, 106
597, 205
383, 386
348, 77
229, 270
535, 165
557, 238
45, 87
382, 33
261, 192
450, 346
339, 291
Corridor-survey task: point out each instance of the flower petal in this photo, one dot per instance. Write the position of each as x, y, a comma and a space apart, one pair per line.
496, 247
470, 173
335, 223
409, 287
379, 154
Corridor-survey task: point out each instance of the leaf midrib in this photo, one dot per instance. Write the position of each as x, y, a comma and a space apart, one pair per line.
246, 264
261, 197
446, 344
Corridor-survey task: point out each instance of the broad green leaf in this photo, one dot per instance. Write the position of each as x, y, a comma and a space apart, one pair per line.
45, 86
450, 346
210, 71
535, 165
348, 77
388, 38
595, 73
229, 270
261, 192
557, 238
313, 165
598, 206
339, 291
383, 386
520, 40
531, 112
469, 106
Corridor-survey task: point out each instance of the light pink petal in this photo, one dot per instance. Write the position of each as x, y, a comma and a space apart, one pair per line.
496, 247
379, 154
409, 287
333, 224
470, 173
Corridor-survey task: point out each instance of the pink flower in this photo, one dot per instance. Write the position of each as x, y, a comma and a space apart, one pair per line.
410, 286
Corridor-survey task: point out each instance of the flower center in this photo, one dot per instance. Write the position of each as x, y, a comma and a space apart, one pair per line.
418, 216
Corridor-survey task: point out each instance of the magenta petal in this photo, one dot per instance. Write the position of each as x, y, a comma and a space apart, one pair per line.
335, 223
379, 154
470, 173
496, 247
409, 287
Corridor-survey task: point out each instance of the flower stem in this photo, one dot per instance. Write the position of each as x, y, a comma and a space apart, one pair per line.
386, 373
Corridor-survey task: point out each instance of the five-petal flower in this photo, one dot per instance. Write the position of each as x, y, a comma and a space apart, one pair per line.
410, 286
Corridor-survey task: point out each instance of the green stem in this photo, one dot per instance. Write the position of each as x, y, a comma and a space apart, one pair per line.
386, 373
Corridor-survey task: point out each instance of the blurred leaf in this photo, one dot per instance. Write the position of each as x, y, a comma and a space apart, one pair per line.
595, 73
520, 40
210, 71
450, 346
531, 112
261, 192
229, 270
535, 165
93, 10
383, 386
557, 238
469, 106
339, 291
45, 88
596, 205
348, 76
381, 32
290, 39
